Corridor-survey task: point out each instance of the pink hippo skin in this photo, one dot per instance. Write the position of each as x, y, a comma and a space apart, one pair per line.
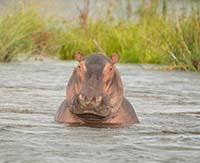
95, 94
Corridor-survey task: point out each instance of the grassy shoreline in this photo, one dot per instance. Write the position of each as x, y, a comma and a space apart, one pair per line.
154, 38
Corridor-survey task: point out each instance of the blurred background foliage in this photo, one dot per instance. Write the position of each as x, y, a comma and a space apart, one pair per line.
149, 31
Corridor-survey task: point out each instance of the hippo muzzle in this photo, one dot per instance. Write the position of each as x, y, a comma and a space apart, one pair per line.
91, 109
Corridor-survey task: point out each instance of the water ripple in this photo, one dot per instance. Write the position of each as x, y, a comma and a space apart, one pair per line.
167, 104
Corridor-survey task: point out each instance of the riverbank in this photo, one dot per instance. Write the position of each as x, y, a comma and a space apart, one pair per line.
156, 37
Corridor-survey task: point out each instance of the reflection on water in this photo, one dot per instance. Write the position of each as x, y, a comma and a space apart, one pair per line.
167, 104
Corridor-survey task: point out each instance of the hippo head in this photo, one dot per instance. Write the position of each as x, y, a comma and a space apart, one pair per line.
94, 91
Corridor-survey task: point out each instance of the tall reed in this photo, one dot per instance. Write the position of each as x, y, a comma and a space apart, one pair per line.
156, 37
16, 32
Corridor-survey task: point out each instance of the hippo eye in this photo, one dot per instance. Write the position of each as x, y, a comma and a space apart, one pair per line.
108, 69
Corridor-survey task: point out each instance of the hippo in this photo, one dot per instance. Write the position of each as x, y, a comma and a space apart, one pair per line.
95, 95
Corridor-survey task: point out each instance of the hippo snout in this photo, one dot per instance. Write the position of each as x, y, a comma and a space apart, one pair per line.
88, 107
89, 100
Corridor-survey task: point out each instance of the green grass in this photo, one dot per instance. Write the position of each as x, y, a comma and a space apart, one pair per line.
16, 32
155, 38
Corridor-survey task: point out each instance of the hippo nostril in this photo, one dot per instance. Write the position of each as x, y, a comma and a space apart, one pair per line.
95, 101
98, 99
82, 98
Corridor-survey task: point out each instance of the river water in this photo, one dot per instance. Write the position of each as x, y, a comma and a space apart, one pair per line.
167, 104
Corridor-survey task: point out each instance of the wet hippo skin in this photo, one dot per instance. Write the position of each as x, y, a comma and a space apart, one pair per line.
95, 94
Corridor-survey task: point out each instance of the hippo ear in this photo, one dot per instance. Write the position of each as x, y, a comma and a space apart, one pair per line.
114, 58
79, 57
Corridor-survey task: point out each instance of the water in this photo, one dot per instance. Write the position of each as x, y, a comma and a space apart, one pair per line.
167, 104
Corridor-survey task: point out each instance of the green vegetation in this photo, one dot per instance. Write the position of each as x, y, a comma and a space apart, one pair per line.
156, 37
16, 33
